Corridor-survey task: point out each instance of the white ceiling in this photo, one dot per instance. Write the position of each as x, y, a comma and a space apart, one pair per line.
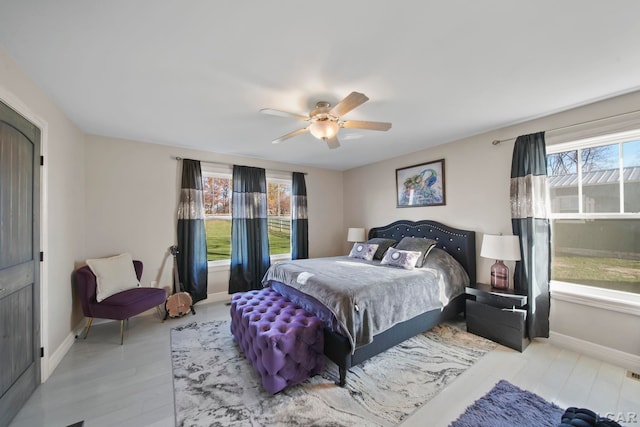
195, 73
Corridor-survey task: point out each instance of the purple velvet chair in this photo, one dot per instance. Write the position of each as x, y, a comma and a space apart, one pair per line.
120, 306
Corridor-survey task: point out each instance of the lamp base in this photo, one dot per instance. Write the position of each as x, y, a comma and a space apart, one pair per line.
499, 275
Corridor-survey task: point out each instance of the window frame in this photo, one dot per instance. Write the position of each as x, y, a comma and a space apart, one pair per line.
597, 141
280, 177
226, 171
621, 301
220, 171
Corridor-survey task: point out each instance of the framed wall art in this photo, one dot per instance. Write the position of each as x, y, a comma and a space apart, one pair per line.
421, 185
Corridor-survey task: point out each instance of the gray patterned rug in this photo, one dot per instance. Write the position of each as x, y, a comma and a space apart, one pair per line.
214, 385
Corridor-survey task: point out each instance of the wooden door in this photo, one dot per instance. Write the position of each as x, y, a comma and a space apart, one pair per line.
19, 261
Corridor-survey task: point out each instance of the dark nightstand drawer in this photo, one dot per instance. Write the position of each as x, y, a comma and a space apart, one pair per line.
501, 325
495, 297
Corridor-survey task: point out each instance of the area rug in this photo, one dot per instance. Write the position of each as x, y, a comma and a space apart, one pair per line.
508, 405
214, 385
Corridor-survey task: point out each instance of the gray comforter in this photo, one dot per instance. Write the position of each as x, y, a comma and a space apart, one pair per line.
368, 298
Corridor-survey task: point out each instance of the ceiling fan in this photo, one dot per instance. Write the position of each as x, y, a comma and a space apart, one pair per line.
325, 120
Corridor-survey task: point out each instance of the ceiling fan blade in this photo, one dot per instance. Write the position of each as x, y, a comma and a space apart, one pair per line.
281, 113
290, 135
353, 100
359, 124
333, 142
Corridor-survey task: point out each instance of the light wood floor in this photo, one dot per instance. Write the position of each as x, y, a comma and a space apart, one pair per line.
106, 384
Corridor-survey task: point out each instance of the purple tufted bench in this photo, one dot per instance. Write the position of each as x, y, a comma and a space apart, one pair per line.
283, 342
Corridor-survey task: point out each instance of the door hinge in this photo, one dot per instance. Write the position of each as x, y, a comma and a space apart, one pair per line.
41, 352
41, 256
41, 160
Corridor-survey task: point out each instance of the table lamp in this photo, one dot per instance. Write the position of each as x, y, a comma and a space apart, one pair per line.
501, 248
355, 235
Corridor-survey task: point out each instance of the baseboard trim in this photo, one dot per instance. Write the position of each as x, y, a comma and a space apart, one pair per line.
600, 352
50, 363
216, 297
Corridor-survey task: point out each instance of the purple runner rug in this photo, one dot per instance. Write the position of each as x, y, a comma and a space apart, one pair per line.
508, 405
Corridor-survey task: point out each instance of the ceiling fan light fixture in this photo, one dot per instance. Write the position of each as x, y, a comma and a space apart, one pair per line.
324, 129
325, 121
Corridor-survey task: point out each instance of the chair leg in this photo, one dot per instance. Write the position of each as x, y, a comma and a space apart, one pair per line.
87, 327
122, 332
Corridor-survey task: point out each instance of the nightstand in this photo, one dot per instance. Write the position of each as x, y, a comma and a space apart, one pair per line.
497, 314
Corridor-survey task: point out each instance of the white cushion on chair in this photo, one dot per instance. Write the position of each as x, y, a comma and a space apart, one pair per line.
114, 274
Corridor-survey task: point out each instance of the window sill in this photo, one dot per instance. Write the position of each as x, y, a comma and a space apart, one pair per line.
622, 302
281, 257
218, 266
225, 265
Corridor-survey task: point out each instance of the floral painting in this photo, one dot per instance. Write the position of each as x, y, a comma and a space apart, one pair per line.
421, 185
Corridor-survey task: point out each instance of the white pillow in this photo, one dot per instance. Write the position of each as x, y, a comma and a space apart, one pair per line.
114, 274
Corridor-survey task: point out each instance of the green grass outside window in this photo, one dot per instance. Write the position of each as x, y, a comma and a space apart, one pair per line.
219, 240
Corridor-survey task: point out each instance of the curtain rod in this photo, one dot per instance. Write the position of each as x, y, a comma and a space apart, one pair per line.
229, 164
498, 141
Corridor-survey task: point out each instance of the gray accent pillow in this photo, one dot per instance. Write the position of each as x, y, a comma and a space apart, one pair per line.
383, 245
417, 244
363, 251
402, 259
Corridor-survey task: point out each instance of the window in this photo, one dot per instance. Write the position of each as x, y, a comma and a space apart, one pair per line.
217, 189
217, 209
594, 190
279, 216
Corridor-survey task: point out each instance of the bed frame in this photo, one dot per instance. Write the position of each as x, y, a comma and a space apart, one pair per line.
461, 244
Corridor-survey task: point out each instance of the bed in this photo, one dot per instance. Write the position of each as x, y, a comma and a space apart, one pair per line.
370, 327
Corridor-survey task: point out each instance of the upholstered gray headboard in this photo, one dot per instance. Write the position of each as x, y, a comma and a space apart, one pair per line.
461, 244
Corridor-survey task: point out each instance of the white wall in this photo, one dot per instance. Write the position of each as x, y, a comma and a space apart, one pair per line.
104, 196
477, 198
63, 207
132, 196
477, 190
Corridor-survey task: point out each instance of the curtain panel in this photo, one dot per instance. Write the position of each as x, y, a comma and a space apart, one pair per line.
530, 221
192, 240
249, 229
299, 220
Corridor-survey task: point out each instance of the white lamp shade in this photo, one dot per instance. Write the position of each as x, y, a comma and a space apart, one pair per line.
355, 235
504, 248
324, 129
